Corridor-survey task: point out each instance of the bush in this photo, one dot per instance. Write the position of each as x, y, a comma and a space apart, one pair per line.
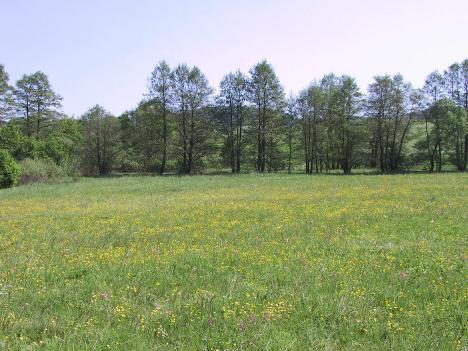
55, 149
19, 146
9, 170
40, 170
126, 161
11, 139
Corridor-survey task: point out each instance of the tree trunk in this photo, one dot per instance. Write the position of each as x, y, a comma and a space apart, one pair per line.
439, 163
259, 141
306, 151
28, 121
191, 142
290, 150
465, 159
162, 169
231, 138
239, 141
184, 137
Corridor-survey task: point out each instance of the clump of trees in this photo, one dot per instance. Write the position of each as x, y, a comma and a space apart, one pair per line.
329, 112
33, 130
182, 127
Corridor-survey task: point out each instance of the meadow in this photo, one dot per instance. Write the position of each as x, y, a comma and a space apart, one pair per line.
249, 262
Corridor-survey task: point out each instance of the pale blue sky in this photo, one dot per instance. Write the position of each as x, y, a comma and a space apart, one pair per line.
103, 51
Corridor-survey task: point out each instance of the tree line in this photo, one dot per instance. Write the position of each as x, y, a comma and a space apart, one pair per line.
181, 126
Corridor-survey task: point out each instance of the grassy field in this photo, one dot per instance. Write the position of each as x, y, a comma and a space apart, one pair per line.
248, 262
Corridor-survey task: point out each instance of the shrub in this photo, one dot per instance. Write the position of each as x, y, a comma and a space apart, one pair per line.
39, 170
126, 161
19, 146
11, 139
9, 170
56, 150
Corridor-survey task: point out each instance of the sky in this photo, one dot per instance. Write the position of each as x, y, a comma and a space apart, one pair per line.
102, 52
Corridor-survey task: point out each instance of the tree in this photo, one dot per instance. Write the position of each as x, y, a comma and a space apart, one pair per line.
291, 118
464, 88
329, 113
457, 130
100, 130
453, 83
310, 110
45, 101
226, 100
5, 95
266, 93
63, 143
448, 132
434, 86
159, 89
24, 97
232, 97
389, 104
434, 91
402, 113
456, 82
464, 99
240, 97
330, 87
191, 93
36, 102
179, 84
199, 92
349, 108
144, 137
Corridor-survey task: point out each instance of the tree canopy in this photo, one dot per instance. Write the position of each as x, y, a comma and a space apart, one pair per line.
182, 127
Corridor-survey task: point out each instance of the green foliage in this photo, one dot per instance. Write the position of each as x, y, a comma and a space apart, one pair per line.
142, 140
36, 103
446, 130
9, 170
100, 141
40, 170
190, 97
56, 150
266, 94
17, 144
128, 161
180, 127
60, 146
5, 95
12, 140
391, 109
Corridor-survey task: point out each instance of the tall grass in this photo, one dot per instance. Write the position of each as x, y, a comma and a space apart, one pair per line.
247, 262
